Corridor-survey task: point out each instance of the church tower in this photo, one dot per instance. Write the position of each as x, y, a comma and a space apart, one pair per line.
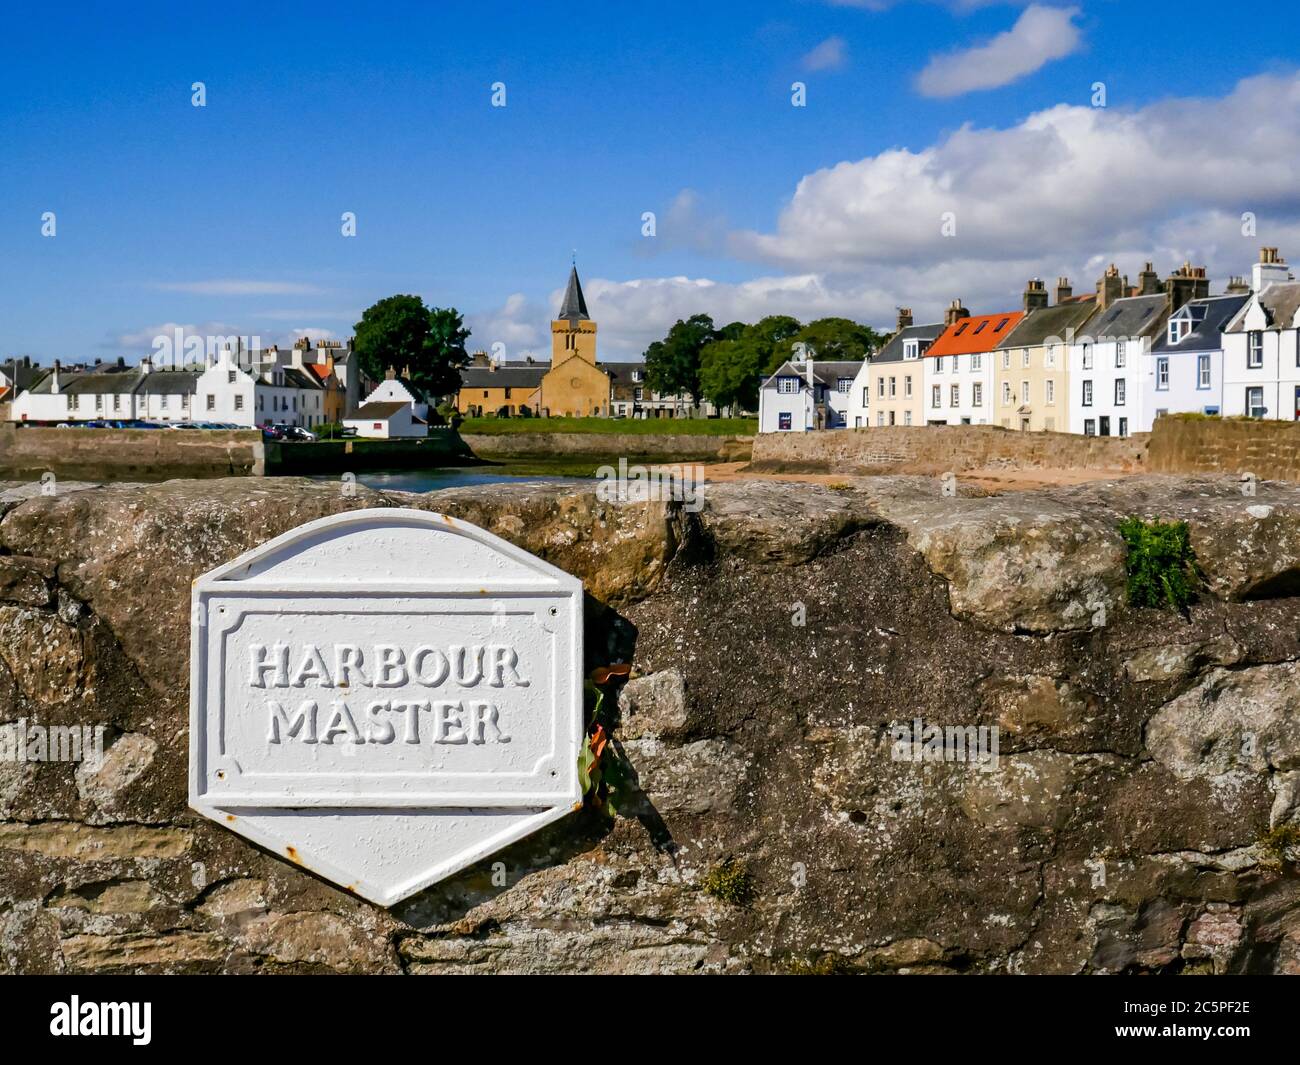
574, 386
573, 333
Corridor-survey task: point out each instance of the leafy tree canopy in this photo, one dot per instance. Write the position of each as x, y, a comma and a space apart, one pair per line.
672, 365
839, 339
403, 333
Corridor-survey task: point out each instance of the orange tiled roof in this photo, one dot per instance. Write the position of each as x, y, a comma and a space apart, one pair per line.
319, 370
980, 332
4, 391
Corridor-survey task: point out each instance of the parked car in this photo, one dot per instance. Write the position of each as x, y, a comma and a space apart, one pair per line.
298, 433
272, 432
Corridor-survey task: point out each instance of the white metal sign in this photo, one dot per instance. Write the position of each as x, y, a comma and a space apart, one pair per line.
385, 697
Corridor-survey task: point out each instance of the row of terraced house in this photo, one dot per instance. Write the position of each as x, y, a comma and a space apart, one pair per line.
1103, 363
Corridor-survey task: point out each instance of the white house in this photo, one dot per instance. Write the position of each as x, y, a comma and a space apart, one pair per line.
1261, 358
395, 389
958, 377
225, 393
859, 412
807, 395
1186, 360
1108, 365
386, 421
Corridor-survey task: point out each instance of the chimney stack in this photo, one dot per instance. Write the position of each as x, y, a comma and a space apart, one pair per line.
1063, 289
1110, 287
1148, 281
390, 374
1270, 268
1237, 286
1035, 295
955, 313
904, 318
54, 378
1188, 282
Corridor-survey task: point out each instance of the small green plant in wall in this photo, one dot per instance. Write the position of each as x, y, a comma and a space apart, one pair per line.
730, 881
603, 773
1160, 563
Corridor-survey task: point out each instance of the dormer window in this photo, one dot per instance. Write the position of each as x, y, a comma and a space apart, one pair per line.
843, 384
1178, 328
787, 385
638, 375
911, 349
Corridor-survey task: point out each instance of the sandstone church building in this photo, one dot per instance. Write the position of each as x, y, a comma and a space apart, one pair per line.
574, 385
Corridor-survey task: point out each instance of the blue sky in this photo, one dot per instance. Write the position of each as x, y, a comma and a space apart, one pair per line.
226, 218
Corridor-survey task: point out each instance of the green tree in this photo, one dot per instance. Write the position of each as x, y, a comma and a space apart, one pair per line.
839, 338
730, 371
672, 365
731, 368
403, 333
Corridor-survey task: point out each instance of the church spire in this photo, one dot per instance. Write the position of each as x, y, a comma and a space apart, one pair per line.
574, 307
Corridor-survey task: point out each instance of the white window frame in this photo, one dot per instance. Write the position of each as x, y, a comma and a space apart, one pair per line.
1254, 349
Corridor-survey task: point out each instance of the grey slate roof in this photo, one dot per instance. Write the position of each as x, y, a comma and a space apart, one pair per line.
40, 384
1134, 316
302, 379
21, 374
574, 307
382, 411
824, 373
893, 351
99, 384
1280, 301
1209, 317
502, 377
170, 382
1036, 326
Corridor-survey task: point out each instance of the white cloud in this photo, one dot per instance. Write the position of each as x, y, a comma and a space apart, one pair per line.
521, 326
239, 287
1064, 192
831, 54
1067, 182
1040, 35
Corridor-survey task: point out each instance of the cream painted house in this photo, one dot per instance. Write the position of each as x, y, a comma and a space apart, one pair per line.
894, 377
1031, 372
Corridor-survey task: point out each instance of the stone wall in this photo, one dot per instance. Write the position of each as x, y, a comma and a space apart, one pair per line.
1267, 449
1141, 816
934, 449
686, 446
128, 454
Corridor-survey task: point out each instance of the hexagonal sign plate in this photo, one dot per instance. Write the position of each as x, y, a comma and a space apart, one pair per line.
385, 697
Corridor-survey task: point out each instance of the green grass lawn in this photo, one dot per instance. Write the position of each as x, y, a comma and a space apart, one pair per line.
657, 426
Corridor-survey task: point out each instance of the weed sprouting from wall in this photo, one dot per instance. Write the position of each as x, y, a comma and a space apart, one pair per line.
1160, 563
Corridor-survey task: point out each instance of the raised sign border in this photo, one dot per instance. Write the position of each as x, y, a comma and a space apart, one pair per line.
240, 577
